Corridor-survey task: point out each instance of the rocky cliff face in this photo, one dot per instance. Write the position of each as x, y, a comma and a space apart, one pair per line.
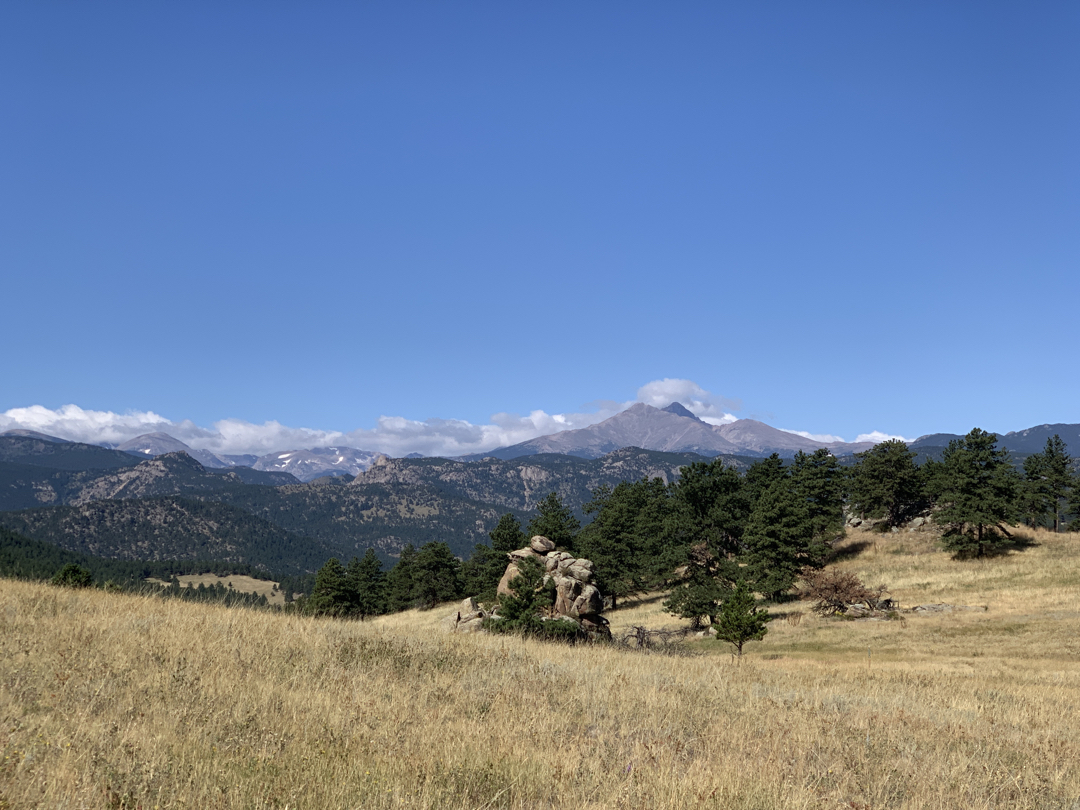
520, 483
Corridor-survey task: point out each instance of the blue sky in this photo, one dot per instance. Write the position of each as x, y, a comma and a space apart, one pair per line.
834, 217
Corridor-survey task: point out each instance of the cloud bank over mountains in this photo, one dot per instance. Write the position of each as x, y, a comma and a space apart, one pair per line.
393, 435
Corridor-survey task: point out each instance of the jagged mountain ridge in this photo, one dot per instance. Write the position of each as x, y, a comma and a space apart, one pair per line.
673, 429
318, 462
305, 465
157, 444
78, 474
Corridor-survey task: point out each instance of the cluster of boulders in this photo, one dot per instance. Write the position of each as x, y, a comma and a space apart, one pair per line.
577, 598
468, 618
919, 523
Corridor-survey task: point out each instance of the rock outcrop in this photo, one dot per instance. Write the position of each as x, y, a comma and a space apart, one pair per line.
468, 618
576, 596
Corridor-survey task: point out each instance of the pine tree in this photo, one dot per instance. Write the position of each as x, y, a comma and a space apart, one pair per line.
762, 475
975, 487
400, 584
624, 540
887, 483
780, 541
365, 583
73, 575
507, 535
819, 480
520, 610
481, 573
1047, 480
740, 619
328, 597
555, 522
708, 513
437, 575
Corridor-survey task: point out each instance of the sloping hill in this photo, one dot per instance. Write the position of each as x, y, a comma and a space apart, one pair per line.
59, 455
25, 485
169, 529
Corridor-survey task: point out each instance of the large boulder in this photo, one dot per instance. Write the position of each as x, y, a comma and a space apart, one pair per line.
577, 599
468, 617
541, 545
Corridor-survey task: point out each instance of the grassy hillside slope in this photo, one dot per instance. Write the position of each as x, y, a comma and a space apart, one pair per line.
122, 701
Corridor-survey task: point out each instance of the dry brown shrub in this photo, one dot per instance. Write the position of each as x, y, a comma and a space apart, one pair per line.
832, 591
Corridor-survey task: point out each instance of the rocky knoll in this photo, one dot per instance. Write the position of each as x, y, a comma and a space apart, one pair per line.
577, 598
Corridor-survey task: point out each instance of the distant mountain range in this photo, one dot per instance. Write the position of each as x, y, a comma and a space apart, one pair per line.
673, 429
118, 507
1017, 442
318, 462
140, 503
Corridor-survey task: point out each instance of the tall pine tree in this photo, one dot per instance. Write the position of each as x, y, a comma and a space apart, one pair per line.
975, 487
887, 483
329, 596
708, 513
400, 581
555, 522
365, 582
1047, 481
482, 571
780, 541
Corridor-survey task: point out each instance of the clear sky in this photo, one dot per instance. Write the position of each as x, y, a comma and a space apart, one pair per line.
834, 217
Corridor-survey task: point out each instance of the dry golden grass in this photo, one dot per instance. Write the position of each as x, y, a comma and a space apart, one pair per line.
243, 584
122, 701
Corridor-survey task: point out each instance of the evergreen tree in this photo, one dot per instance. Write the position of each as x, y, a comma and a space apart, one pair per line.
73, 575
329, 596
520, 610
708, 513
400, 585
1047, 481
437, 575
819, 480
624, 540
365, 583
555, 522
740, 619
780, 541
482, 571
1033, 502
762, 475
887, 483
1074, 503
975, 487
507, 535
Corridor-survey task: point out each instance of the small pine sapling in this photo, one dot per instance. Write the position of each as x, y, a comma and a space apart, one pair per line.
740, 619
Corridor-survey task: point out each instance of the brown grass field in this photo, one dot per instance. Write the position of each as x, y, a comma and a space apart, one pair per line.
239, 582
119, 701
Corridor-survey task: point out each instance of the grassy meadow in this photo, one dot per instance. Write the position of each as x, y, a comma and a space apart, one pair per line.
238, 582
119, 701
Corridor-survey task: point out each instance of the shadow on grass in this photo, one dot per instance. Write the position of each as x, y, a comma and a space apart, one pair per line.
1002, 546
848, 551
627, 602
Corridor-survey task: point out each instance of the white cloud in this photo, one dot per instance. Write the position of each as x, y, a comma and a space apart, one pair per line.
817, 437
705, 406
393, 435
877, 437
